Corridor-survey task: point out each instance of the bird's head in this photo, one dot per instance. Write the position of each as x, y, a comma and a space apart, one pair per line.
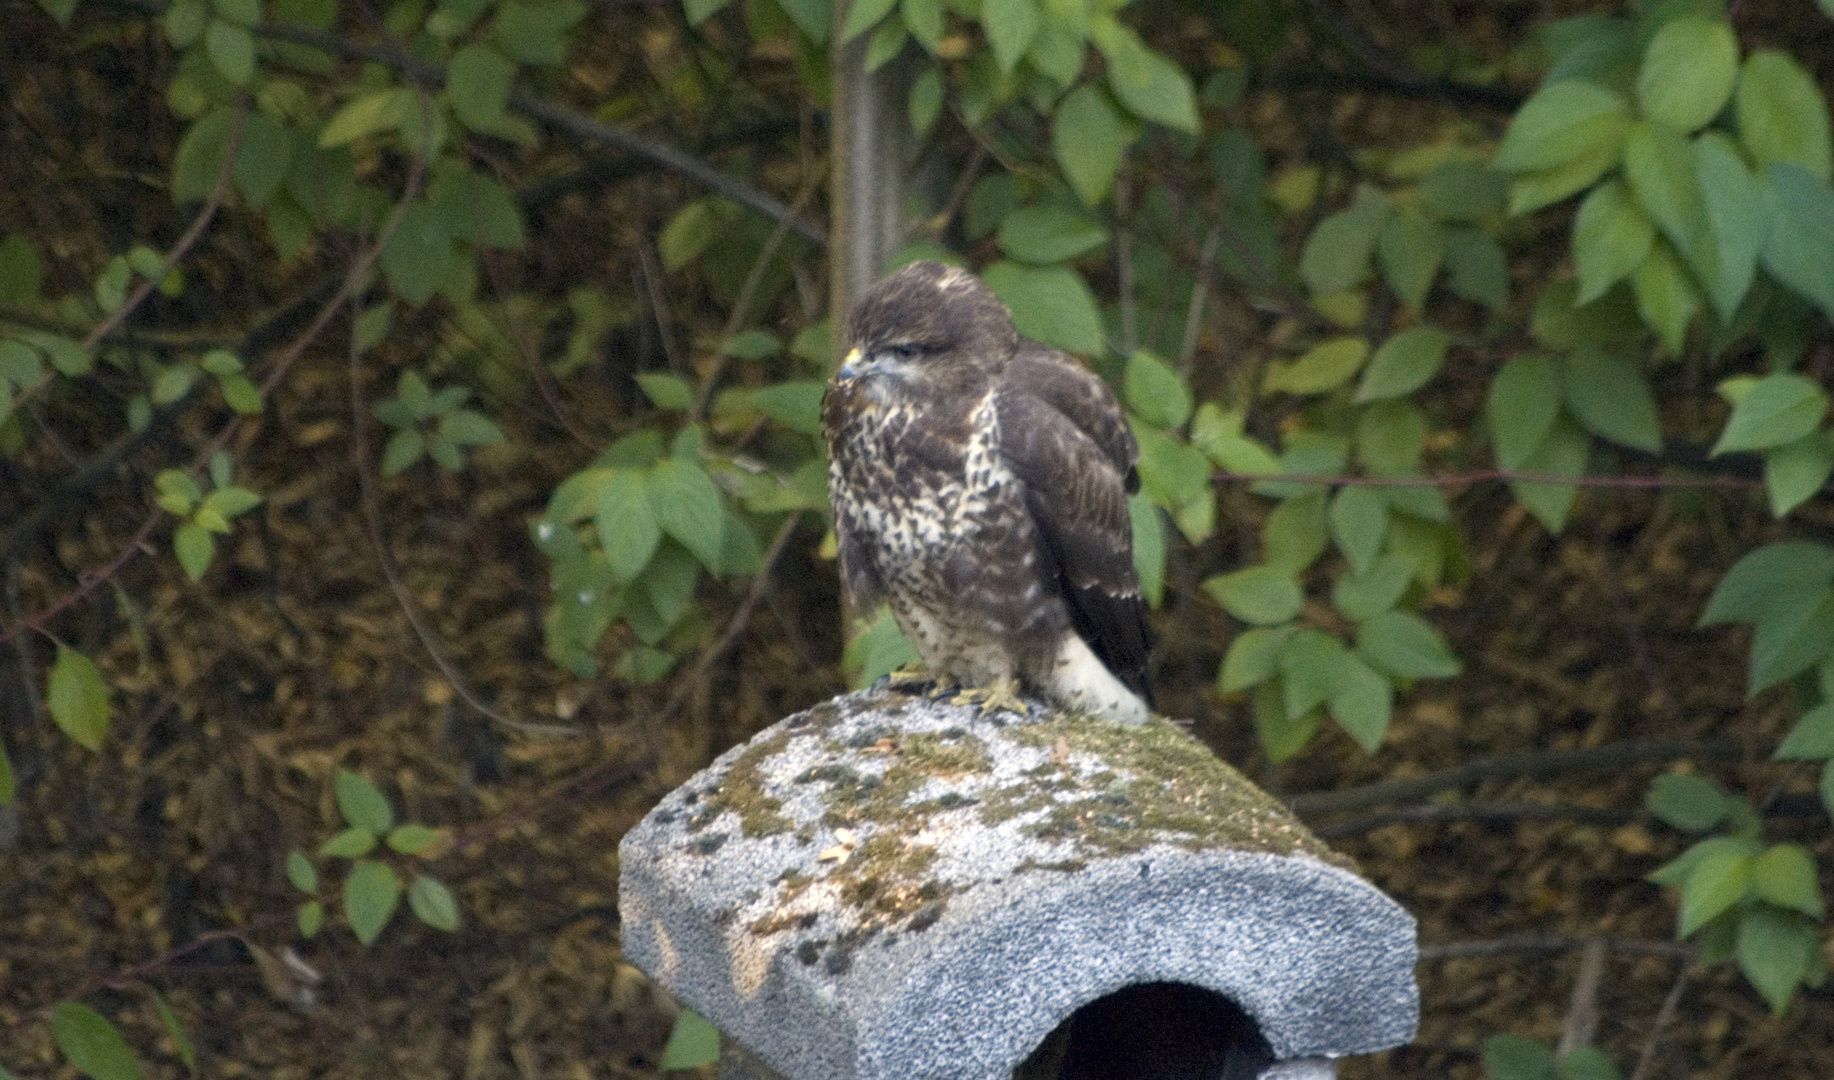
929, 328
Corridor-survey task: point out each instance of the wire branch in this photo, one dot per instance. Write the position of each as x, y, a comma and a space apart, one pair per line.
1538, 764
1481, 476
1547, 943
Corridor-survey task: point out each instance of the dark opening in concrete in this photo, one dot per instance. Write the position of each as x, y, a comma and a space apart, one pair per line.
1152, 1031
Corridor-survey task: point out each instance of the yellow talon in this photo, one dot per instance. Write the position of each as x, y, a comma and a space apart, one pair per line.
1003, 694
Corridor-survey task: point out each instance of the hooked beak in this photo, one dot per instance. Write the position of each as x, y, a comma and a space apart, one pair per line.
852, 367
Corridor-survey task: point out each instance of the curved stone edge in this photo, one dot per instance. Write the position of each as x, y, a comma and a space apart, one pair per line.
1318, 958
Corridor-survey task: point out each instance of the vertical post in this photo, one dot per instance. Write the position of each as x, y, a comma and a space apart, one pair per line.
866, 198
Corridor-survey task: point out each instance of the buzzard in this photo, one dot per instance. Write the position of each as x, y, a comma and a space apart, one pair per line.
979, 482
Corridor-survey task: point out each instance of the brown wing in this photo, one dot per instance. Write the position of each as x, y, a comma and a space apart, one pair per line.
1063, 435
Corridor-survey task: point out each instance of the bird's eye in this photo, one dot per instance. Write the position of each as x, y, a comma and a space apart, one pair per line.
904, 350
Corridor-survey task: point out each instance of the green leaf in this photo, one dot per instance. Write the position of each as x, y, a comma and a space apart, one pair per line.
1390, 437
1776, 951
232, 51
420, 256
1010, 26
1295, 533
1715, 883
1563, 453
1476, 268
239, 12
1403, 364
77, 698
1282, 735
1410, 250
1049, 304
863, 15
693, 1042
1562, 123
301, 872
1253, 657
1812, 739
1088, 138
1533, 190
1666, 298
1155, 392
926, 101
404, 448
1359, 524
1687, 801
628, 527
468, 427
477, 84
1151, 86
91, 1043
1611, 238
699, 11
370, 894
689, 232
1049, 233
349, 844
1523, 403
1794, 634
1310, 667
1359, 597
1659, 165
1336, 255
1778, 409
432, 903
1737, 217
1785, 876
8, 787
687, 506
21, 272
362, 805
1795, 472
535, 33
1323, 367
1258, 595
1362, 702
1687, 72
1149, 546
1611, 398
1782, 115
187, 1052
877, 650
1675, 872
1518, 1057
413, 838
376, 111
263, 159
924, 18
1800, 249
310, 918
795, 405
1462, 191
1402, 644
666, 390
1588, 1063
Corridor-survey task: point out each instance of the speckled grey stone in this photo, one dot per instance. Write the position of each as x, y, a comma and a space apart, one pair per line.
889, 887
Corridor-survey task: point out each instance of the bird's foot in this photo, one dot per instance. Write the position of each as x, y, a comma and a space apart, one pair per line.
910, 679
1002, 694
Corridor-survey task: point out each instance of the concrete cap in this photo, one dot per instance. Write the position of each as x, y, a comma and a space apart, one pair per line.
890, 887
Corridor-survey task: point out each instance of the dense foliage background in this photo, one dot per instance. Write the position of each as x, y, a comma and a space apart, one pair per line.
409, 469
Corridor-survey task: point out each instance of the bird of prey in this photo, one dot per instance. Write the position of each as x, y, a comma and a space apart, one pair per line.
979, 482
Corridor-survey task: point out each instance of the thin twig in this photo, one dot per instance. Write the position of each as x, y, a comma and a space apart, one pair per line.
748, 295
659, 304
195, 232
1582, 1014
1480, 476
1546, 943
359, 269
1541, 763
531, 356
1485, 812
372, 516
1670, 1002
1194, 314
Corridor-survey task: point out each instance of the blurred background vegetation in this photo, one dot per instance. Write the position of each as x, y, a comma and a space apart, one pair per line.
409, 469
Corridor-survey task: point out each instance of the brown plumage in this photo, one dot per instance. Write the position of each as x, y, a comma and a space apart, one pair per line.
979, 483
